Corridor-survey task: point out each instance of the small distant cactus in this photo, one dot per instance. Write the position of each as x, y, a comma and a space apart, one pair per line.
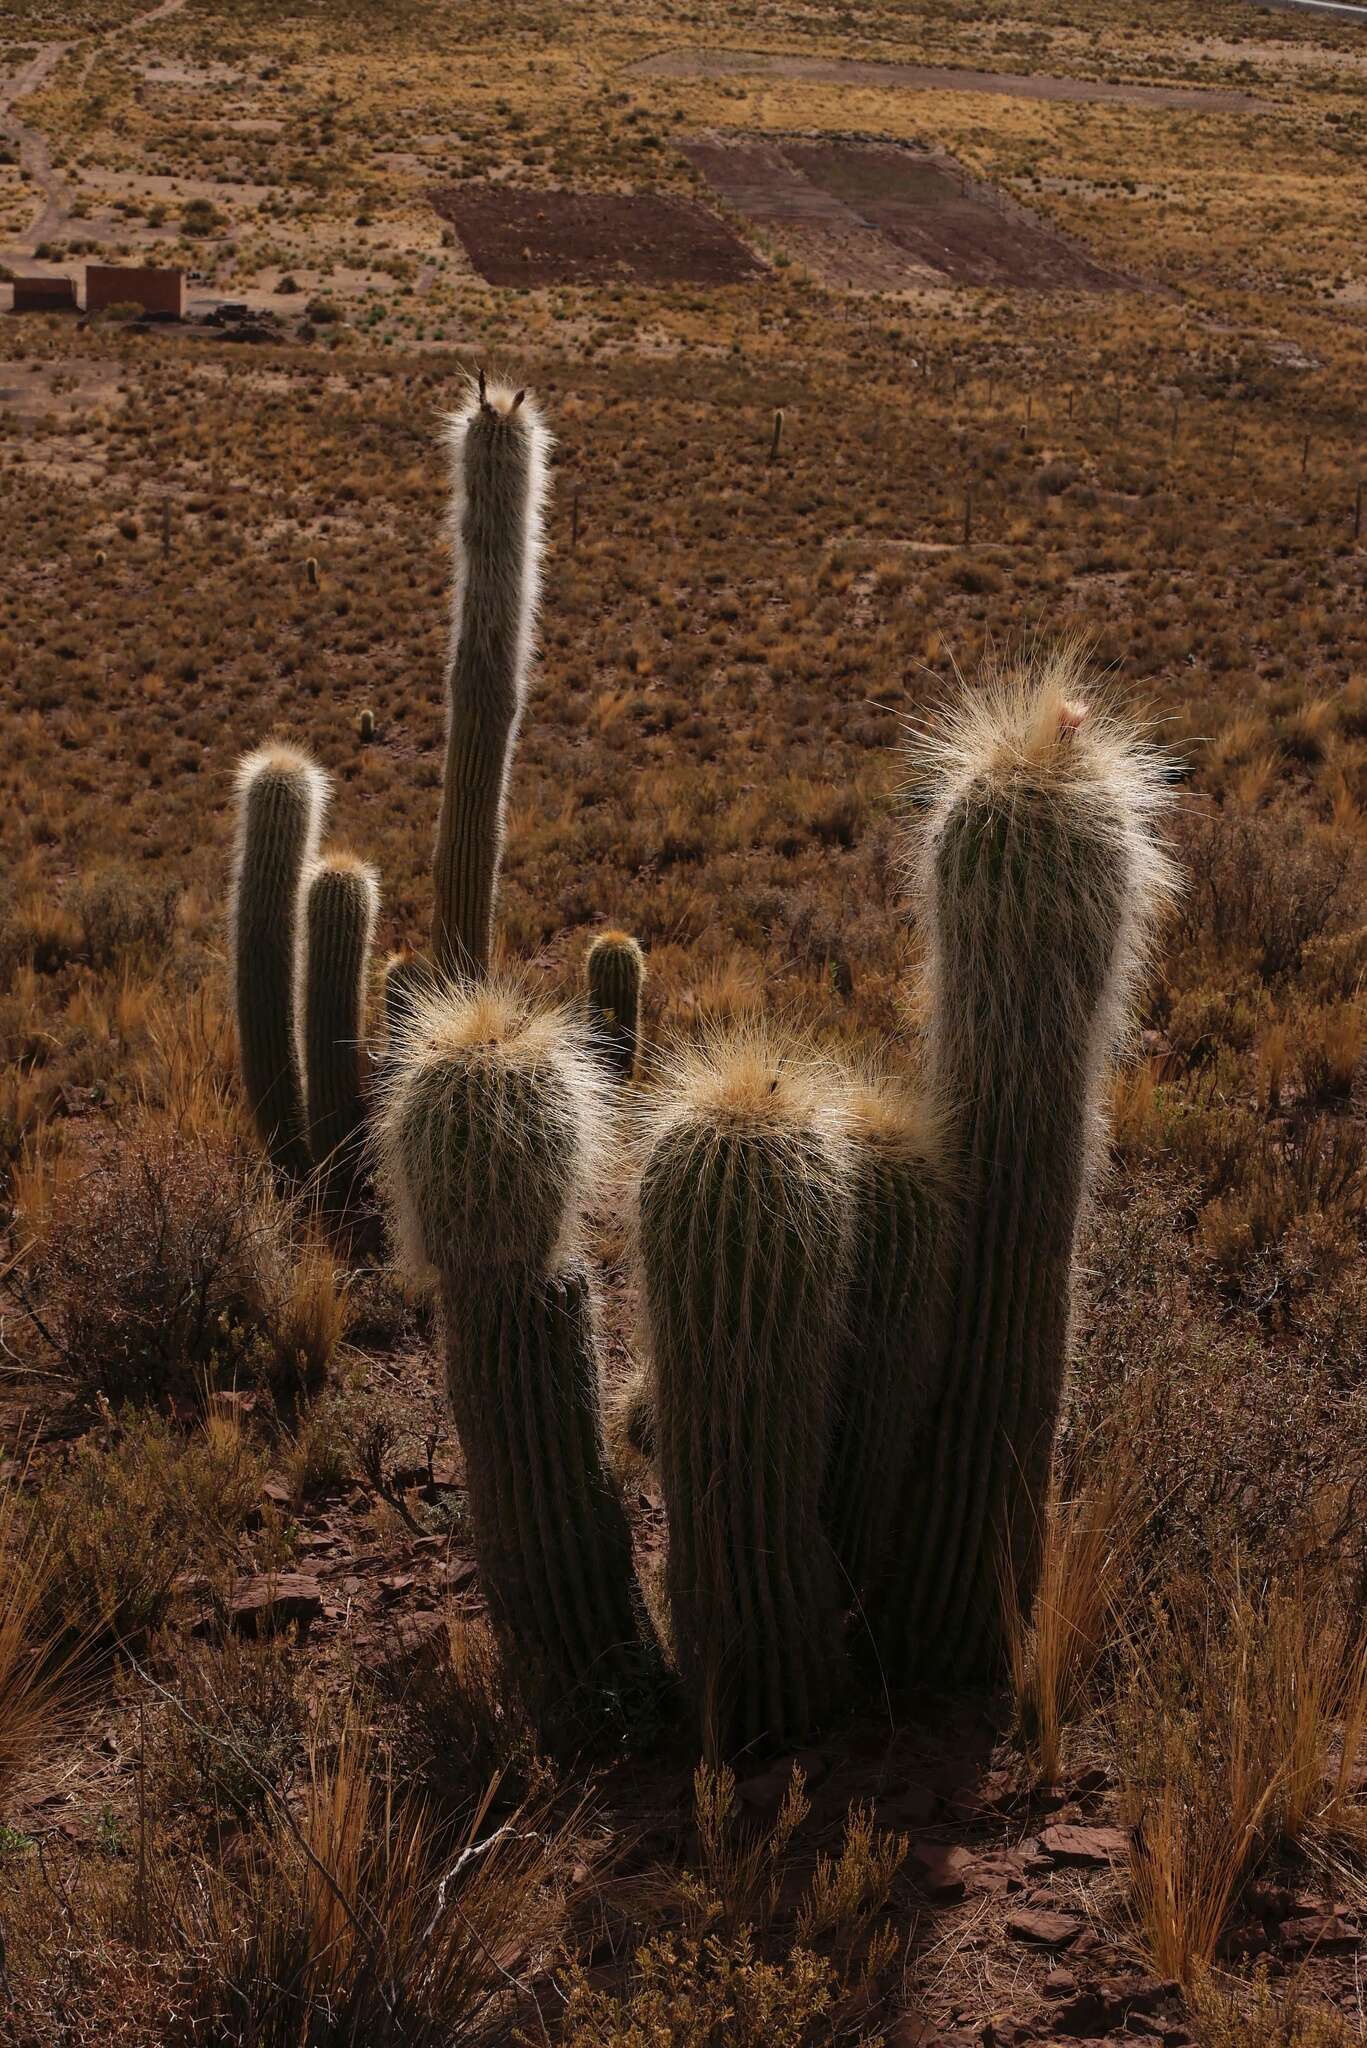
890, 1360
282, 796
614, 975
743, 1228
311, 571
341, 905
1042, 874
365, 727
499, 449
489, 1138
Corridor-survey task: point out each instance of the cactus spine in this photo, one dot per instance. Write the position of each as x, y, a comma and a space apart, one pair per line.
614, 975
892, 1354
281, 797
498, 448
742, 1218
1041, 874
341, 906
490, 1132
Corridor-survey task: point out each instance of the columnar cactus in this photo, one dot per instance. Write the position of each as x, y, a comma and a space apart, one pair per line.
499, 449
614, 974
891, 1357
341, 905
489, 1137
282, 796
743, 1224
1041, 875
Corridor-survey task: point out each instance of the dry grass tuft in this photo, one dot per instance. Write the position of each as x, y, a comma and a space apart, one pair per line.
1086, 1558
358, 1920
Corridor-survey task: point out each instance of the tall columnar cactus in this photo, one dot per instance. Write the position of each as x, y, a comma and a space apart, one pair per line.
743, 1225
341, 905
282, 796
891, 1357
489, 1138
408, 977
499, 449
614, 975
1042, 876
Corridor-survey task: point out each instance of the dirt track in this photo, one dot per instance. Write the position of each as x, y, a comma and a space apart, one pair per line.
929, 78
54, 215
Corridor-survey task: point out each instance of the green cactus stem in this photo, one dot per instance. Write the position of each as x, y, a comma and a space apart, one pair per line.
891, 1356
499, 449
614, 975
489, 1137
742, 1218
340, 909
281, 799
1042, 877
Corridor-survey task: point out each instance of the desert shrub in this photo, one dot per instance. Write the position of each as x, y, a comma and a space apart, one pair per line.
1238, 1445
201, 217
123, 916
456, 1721
1055, 477
1229, 2015
352, 1918
688, 1992
233, 1735
126, 1518
1335, 969
1262, 888
164, 1264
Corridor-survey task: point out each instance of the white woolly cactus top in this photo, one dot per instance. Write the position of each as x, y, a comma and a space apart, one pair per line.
491, 1133
287, 764
750, 1078
339, 861
759, 1096
1037, 761
500, 450
905, 1124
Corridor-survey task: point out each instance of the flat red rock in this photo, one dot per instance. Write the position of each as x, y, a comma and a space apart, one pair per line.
1045, 1929
1070, 1842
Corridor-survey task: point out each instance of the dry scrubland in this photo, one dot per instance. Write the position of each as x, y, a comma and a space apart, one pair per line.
249, 1709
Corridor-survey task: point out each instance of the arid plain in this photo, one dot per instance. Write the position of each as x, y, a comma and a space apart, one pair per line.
877, 342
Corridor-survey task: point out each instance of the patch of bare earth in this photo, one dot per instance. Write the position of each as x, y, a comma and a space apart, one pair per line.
881, 216
523, 237
934, 78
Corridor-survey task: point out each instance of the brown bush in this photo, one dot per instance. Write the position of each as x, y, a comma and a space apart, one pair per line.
164, 1265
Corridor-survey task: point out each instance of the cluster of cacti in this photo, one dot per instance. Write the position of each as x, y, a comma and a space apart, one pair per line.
855, 1291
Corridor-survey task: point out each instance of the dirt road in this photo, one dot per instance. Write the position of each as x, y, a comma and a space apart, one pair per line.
54, 216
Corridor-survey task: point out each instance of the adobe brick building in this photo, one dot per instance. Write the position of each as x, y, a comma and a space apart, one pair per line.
44, 295
159, 292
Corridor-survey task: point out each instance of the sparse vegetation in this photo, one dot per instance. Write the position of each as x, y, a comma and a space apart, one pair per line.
271, 1763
